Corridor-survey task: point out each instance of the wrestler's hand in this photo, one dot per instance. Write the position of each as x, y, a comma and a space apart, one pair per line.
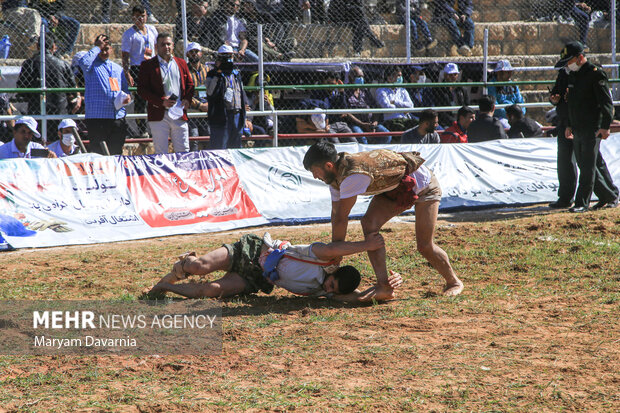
374, 241
395, 280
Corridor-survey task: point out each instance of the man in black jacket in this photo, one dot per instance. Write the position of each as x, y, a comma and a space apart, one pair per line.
566, 165
486, 127
58, 74
227, 101
590, 111
520, 125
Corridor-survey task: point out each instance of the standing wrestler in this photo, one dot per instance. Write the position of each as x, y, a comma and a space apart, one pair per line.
590, 111
398, 180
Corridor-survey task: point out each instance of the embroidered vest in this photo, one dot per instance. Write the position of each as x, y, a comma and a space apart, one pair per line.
386, 168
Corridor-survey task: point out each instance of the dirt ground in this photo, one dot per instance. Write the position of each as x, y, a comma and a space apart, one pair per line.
536, 329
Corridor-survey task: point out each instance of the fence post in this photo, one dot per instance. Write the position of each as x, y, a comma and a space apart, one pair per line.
261, 73
275, 131
43, 95
614, 71
408, 30
184, 24
485, 60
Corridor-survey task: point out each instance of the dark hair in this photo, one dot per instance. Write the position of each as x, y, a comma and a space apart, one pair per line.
319, 153
348, 278
486, 103
330, 75
514, 110
138, 10
50, 41
163, 35
428, 115
391, 70
464, 111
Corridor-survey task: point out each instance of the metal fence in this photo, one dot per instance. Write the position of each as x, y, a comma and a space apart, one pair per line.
321, 41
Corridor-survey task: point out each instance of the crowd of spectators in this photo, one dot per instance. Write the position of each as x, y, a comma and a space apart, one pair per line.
174, 86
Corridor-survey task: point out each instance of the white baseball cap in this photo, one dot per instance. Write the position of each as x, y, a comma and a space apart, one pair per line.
451, 68
31, 123
67, 123
225, 49
503, 66
192, 46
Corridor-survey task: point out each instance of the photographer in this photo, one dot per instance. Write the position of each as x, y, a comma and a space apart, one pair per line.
227, 101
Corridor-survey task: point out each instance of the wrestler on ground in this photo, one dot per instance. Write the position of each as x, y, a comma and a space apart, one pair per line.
255, 263
398, 180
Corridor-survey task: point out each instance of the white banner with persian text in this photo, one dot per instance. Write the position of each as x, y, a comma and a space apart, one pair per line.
90, 198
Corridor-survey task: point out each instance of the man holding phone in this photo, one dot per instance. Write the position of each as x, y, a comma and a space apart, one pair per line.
22, 146
166, 84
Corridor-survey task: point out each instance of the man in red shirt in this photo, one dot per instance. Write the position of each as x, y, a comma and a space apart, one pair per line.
457, 133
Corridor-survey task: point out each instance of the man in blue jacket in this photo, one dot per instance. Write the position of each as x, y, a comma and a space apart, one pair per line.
507, 94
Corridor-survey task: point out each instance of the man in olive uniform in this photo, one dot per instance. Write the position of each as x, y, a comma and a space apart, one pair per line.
567, 168
590, 112
398, 181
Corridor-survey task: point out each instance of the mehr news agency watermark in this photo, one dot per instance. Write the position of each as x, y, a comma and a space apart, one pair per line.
99, 327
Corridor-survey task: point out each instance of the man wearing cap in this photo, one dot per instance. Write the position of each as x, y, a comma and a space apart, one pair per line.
566, 164
507, 94
138, 45
166, 84
227, 101
197, 126
449, 96
65, 145
104, 83
21, 145
590, 112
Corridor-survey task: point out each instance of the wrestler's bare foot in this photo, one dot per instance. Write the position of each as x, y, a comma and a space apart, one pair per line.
453, 289
170, 278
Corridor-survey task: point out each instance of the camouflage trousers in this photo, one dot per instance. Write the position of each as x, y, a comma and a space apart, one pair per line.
244, 255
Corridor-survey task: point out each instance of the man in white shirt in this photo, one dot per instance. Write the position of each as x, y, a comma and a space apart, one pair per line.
254, 263
21, 146
65, 145
166, 84
138, 45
